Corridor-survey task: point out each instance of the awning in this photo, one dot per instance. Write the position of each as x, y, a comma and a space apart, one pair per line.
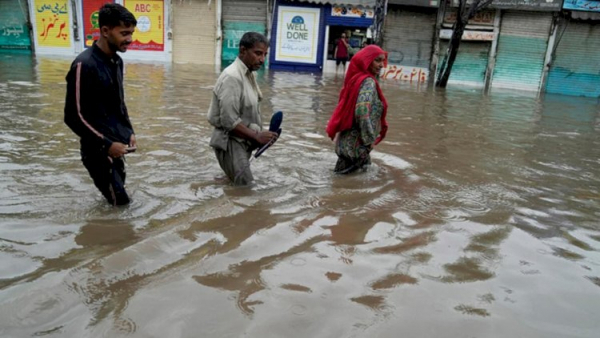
369, 3
585, 15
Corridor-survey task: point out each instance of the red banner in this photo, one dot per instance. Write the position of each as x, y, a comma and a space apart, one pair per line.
91, 28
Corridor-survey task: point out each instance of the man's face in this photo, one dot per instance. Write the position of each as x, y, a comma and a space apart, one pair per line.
254, 57
343, 36
118, 37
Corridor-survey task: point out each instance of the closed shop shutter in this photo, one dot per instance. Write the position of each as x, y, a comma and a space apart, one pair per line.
522, 47
239, 17
408, 35
14, 31
245, 11
471, 62
194, 31
575, 69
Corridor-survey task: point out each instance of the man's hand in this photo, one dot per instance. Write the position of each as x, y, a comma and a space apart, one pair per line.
264, 137
117, 149
132, 141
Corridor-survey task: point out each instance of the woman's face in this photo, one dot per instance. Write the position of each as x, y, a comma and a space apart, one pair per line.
377, 64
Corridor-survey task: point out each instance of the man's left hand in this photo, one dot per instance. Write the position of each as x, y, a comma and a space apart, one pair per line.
132, 141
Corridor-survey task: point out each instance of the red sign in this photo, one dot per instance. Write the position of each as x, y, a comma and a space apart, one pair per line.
91, 28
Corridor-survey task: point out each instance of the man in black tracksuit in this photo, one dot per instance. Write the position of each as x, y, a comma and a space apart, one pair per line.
95, 106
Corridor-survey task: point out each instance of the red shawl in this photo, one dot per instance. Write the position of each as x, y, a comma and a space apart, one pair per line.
343, 115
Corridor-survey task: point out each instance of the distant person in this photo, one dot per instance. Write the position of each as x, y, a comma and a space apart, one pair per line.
235, 112
358, 121
95, 104
340, 54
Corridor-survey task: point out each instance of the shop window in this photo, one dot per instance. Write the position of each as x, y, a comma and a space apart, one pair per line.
357, 38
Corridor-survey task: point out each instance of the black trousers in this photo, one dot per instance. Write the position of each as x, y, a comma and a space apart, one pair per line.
108, 175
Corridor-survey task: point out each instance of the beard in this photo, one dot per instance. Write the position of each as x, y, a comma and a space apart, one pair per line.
122, 47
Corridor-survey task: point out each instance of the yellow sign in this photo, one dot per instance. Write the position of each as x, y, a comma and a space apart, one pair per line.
149, 32
52, 23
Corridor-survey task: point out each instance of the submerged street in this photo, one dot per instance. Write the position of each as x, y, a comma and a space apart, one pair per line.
478, 217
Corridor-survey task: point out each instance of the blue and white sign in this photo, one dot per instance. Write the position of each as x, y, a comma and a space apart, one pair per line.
582, 5
297, 34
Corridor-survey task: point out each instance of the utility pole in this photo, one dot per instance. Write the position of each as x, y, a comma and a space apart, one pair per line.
378, 21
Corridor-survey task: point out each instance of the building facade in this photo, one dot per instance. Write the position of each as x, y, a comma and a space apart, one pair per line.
528, 45
304, 33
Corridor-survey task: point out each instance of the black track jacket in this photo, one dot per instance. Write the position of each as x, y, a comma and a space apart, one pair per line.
95, 105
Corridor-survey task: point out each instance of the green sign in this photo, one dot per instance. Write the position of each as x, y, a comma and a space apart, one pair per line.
14, 33
232, 33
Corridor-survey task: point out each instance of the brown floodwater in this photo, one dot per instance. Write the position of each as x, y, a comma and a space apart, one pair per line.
479, 216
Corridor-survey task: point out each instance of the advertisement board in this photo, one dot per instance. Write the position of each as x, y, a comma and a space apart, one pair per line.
91, 28
297, 34
53, 23
149, 32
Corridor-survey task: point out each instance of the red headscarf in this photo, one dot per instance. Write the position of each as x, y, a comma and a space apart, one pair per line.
343, 115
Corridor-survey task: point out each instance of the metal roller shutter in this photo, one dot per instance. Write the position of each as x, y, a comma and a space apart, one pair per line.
245, 10
576, 66
522, 47
408, 35
194, 31
471, 62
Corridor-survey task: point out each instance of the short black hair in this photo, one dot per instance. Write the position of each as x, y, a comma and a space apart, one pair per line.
250, 39
112, 15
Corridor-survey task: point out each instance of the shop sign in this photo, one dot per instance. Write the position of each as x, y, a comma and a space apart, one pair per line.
400, 73
232, 34
582, 5
469, 35
297, 34
13, 30
419, 3
352, 11
91, 27
149, 32
539, 5
535, 5
52, 23
483, 18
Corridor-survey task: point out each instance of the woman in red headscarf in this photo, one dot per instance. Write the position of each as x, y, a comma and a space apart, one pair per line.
358, 121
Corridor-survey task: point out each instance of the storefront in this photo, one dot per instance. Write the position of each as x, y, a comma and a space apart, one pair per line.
575, 68
408, 37
194, 31
67, 27
239, 17
352, 20
14, 31
525, 28
305, 33
471, 65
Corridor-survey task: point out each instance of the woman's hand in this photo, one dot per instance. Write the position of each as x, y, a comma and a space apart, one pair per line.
382, 133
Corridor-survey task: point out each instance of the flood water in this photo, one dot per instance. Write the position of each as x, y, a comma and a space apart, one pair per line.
479, 216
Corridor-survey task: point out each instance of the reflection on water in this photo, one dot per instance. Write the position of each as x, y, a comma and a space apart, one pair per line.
479, 217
